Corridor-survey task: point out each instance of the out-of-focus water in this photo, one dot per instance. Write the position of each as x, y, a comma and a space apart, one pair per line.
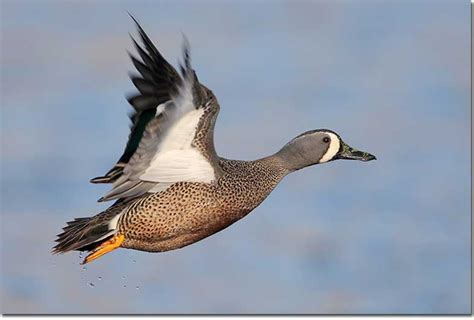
389, 236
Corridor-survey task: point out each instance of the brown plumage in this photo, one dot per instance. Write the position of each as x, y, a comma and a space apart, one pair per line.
172, 187
188, 212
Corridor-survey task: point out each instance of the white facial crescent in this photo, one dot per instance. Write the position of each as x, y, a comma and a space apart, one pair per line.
334, 146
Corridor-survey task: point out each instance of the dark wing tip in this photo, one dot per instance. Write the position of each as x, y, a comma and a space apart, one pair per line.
133, 18
141, 102
101, 179
185, 66
112, 175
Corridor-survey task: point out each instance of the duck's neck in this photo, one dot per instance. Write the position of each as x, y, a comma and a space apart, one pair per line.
290, 159
274, 164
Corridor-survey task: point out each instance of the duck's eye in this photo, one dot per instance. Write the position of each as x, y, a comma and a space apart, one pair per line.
326, 139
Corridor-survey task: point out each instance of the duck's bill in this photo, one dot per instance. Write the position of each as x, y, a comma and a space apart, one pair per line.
349, 153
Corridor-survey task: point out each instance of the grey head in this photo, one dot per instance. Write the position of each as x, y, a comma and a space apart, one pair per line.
318, 146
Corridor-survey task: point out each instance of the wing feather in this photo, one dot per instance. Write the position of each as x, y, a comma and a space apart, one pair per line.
160, 75
169, 110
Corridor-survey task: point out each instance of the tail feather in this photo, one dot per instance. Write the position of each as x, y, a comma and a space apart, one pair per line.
83, 234
80, 233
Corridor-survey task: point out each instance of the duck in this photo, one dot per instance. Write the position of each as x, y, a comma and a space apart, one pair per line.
170, 188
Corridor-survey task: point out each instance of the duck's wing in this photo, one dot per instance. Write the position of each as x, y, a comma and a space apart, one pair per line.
156, 82
176, 143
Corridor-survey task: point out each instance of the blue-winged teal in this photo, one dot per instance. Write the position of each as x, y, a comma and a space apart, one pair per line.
170, 186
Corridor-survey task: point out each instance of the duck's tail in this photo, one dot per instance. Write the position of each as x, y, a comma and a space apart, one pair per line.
96, 234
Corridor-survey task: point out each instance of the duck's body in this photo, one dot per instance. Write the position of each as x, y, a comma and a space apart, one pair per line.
188, 212
171, 187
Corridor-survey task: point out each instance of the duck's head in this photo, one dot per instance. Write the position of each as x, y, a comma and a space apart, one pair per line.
318, 146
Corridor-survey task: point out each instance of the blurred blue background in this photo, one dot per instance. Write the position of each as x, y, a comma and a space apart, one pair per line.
392, 77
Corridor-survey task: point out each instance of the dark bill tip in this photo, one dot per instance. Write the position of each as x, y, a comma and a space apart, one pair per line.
349, 153
369, 157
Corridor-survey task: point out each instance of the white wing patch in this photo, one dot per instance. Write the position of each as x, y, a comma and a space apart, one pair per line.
180, 165
181, 134
177, 159
166, 154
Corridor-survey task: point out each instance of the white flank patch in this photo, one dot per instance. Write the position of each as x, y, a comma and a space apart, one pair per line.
334, 146
114, 221
112, 226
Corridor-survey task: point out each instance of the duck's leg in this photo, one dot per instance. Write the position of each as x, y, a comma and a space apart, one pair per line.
105, 247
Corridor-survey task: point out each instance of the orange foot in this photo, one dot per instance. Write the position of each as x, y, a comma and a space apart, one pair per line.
105, 247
